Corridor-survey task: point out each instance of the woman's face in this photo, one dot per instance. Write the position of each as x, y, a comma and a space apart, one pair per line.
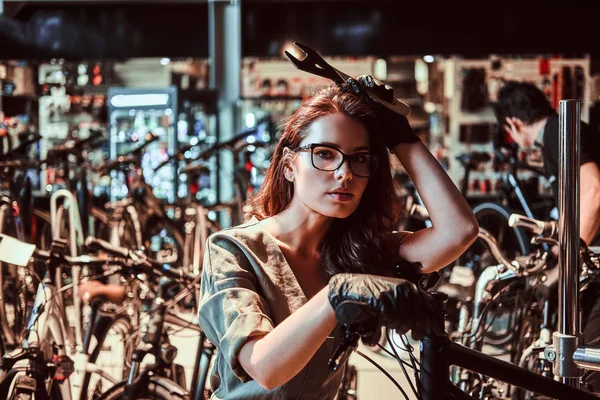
337, 193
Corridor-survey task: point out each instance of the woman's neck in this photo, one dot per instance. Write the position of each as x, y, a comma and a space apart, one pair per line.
301, 229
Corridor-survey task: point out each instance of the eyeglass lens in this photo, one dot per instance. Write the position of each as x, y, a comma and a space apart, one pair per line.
329, 159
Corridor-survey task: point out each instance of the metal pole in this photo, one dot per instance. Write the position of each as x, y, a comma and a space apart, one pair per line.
568, 229
225, 52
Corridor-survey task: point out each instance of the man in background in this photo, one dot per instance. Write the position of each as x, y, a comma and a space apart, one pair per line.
531, 122
528, 117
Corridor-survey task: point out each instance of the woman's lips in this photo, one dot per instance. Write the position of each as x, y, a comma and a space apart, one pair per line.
341, 196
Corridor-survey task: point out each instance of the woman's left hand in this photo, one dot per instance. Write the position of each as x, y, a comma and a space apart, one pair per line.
395, 128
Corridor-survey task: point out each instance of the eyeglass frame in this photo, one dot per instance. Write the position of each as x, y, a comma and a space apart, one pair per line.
311, 147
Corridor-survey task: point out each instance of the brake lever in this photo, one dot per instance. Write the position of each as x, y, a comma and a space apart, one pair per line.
315, 64
342, 352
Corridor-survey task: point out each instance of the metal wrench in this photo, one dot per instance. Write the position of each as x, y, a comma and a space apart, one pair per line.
315, 64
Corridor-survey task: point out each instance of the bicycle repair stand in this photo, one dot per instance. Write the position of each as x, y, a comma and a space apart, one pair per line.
568, 355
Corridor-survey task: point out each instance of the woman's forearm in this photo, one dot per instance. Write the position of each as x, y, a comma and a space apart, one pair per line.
589, 214
274, 359
454, 225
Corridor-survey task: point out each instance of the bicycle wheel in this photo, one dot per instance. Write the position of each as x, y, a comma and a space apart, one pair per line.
513, 242
528, 333
164, 241
17, 294
111, 352
155, 390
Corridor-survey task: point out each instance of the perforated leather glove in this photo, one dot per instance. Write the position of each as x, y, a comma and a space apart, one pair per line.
394, 127
375, 301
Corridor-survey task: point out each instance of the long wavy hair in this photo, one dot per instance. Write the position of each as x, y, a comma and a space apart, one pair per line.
360, 242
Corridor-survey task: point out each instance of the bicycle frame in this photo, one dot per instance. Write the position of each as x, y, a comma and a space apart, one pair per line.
438, 353
47, 320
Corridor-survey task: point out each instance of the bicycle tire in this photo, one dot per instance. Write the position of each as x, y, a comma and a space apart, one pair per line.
520, 241
528, 331
121, 324
165, 228
127, 236
153, 391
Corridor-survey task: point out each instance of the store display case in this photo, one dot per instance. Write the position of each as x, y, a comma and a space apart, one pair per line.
133, 113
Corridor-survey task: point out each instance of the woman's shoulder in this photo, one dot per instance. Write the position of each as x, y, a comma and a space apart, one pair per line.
249, 234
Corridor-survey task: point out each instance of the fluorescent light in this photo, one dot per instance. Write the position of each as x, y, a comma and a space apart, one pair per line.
140, 100
380, 69
428, 58
250, 120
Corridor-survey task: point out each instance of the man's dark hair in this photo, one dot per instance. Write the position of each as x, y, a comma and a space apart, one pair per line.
522, 100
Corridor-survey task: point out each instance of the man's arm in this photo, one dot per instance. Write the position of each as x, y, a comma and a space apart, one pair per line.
589, 192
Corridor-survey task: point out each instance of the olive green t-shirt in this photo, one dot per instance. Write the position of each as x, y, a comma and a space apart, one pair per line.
247, 289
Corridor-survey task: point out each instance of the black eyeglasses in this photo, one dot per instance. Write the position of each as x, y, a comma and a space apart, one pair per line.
328, 158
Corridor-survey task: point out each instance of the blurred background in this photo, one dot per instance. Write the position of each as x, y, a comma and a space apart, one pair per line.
196, 74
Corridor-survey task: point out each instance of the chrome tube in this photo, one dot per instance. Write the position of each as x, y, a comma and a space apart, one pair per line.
568, 223
588, 357
568, 238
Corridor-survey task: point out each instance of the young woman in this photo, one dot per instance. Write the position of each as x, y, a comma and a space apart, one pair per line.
326, 209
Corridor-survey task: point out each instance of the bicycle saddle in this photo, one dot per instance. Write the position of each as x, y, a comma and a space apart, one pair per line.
91, 290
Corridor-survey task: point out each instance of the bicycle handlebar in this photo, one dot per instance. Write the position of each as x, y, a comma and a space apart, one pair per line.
20, 164
496, 251
150, 138
26, 142
547, 229
43, 255
75, 145
180, 154
229, 144
138, 259
115, 164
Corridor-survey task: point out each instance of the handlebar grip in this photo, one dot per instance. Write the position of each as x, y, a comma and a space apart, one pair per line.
546, 229
99, 244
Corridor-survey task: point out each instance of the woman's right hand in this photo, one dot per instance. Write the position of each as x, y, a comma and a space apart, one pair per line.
374, 301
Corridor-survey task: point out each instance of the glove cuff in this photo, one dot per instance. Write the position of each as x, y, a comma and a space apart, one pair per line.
336, 283
403, 133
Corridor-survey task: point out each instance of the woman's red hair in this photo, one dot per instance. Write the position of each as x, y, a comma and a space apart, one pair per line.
358, 243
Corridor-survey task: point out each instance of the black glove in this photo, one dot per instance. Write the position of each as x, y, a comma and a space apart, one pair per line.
394, 127
374, 301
